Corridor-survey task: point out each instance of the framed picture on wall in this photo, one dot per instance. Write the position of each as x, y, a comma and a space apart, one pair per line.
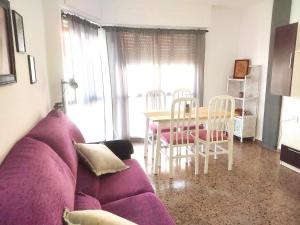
32, 70
241, 68
7, 54
19, 32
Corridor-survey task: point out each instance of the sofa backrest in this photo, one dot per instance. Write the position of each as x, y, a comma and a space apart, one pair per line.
35, 185
57, 131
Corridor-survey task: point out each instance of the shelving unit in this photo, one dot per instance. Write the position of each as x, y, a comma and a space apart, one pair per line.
245, 124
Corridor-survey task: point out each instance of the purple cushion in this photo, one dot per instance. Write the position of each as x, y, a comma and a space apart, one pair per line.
178, 138
35, 185
86, 202
58, 132
143, 209
153, 127
111, 187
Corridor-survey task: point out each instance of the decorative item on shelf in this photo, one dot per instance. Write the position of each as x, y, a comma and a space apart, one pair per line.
19, 32
239, 111
187, 108
64, 84
7, 62
241, 94
32, 70
241, 68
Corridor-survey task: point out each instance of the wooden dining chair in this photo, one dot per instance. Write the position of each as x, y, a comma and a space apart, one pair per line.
155, 100
185, 93
180, 135
182, 93
219, 130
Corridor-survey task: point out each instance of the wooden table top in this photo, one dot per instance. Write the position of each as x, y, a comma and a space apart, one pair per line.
165, 115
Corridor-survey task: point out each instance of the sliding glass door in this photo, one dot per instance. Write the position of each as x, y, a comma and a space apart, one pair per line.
142, 78
82, 62
151, 59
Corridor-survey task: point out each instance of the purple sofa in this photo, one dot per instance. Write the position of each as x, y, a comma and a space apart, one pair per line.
42, 175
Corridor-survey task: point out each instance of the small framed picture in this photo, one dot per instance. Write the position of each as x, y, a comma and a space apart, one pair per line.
32, 70
19, 32
7, 52
241, 68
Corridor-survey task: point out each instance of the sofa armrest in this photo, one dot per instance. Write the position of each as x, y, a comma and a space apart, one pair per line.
121, 148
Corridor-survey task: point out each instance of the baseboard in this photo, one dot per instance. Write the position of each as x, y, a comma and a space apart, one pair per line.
290, 167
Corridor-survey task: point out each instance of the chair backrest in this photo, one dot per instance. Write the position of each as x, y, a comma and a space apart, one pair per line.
220, 118
184, 116
182, 93
155, 99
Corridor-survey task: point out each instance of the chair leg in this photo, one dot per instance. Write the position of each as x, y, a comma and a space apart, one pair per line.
186, 153
159, 159
146, 139
171, 163
153, 145
216, 152
196, 152
230, 154
206, 158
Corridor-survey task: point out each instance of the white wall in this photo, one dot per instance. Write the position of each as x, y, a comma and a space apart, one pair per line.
254, 42
221, 50
167, 13
23, 104
52, 16
290, 113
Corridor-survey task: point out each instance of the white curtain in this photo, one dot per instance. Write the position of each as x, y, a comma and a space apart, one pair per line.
145, 59
86, 106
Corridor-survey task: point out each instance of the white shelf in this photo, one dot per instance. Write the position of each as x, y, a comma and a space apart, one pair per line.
245, 125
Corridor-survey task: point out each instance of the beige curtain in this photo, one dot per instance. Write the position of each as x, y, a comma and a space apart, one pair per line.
162, 49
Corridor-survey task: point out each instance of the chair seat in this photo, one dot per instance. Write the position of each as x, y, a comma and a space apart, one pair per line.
193, 127
217, 135
153, 127
166, 137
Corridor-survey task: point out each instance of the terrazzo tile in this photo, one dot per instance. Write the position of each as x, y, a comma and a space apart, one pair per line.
258, 191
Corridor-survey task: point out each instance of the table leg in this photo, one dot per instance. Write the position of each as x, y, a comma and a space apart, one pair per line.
146, 138
157, 155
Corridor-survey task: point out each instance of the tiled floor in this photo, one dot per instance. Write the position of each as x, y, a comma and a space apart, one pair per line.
257, 191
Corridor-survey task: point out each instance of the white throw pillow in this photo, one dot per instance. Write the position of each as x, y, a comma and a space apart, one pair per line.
94, 217
100, 158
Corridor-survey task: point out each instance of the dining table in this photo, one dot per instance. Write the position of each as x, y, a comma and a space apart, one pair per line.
162, 119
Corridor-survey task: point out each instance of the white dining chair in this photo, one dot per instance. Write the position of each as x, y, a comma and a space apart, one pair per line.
219, 130
182, 93
185, 93
155, 100
180, 135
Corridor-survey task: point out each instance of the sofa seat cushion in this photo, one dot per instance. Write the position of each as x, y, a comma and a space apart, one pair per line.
36, 185
58, 132
111, 187
143, 209
86, 202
